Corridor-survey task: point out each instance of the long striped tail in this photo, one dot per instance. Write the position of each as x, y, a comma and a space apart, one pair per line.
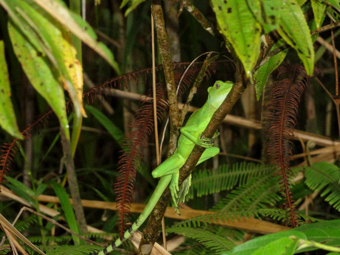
161, 186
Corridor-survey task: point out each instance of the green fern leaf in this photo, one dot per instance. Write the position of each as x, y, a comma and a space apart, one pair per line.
215, 242
258, 193
70, 249
325, 176
204, 182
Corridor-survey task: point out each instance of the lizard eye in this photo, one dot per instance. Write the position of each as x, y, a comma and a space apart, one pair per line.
217, 85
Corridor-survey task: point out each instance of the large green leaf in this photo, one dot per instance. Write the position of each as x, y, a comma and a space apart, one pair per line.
7, 116
267, 12
282, 246
326, 233
295, 31
239, 26
262, 73
38, 71
62, 14
255, 246
60, 47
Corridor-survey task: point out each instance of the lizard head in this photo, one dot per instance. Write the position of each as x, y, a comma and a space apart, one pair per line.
218, 92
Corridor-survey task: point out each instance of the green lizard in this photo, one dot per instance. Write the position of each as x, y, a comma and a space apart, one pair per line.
169, 169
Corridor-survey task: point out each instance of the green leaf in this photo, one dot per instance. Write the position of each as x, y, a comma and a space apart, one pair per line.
114, 131
133, 6
295, 31
301, 2
58, 47
267, 13
68, 210
239, 26
7, 115
319, 11
39, 73
41, 188
334, 3
21, 186
282, 246
62, 14
325, 232
259, 243
262, 73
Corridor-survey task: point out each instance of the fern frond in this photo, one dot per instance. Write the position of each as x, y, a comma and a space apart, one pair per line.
214, 242
325, 176
132, 156
70, 249
281, 120
26, 222
62, 239
204, 182
190, 247
215, 217
258, 193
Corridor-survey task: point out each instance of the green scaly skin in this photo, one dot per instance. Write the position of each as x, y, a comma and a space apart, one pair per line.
168, 171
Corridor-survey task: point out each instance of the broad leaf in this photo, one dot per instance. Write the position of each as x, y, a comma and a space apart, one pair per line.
254, 245
282, 246
239, 26
7, 116
62, 14
60, 47
38, 71
262, 73
295, 31
267, 13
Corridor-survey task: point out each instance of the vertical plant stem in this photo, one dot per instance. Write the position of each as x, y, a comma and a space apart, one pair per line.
73, 182
162, 41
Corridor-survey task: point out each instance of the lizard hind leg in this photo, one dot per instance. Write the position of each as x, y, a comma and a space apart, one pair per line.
170, 166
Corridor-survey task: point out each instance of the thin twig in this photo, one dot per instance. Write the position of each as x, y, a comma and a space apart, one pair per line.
335, 66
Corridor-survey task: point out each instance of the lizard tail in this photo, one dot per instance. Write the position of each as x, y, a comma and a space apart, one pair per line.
161, 186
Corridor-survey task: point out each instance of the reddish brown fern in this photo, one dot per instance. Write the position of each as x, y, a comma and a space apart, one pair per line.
8, 150
132, 156
281, 120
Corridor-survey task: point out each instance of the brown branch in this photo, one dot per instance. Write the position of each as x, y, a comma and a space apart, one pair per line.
151, 231
162, 41
73, 182
206, 24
